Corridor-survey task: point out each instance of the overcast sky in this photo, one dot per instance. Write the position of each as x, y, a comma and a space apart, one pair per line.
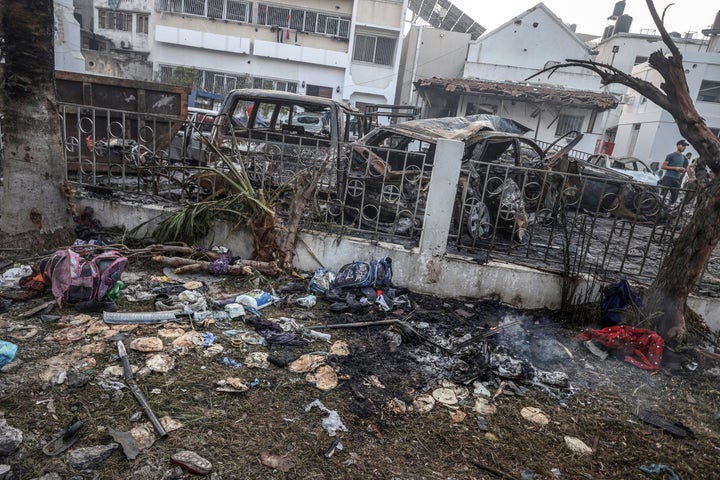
591, 16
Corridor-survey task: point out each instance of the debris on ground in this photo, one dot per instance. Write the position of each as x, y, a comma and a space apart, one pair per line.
243, 376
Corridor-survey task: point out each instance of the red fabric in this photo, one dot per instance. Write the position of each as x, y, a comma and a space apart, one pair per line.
641, 347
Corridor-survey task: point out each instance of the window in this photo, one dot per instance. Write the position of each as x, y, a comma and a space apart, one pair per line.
568, 123
238, 11
123, 21
112, 20
374, 49
709, 92
142, 23
639, 60
106, 19
231, 10
304, 20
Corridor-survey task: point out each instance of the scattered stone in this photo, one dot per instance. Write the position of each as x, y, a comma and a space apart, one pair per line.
76, 379
160, 363
480, 390
67, 336
192, 462
170, 332
396, 406
278, 462
170, 424
577, 445
188, 339
213, 350
324, 378
12, 366
446, 396
90, 457
423, 403
457, 416
535, 415
128, 443
23, 333
4, 471
144, 435
10, 438
484, 407
482, 424
147, 344
307, 363
117, 370
232, 385
340, 348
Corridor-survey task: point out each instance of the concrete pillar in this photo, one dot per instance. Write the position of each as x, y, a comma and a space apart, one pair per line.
441, 196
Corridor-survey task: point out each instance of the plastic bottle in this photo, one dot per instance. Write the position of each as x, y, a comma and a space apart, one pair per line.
256, 299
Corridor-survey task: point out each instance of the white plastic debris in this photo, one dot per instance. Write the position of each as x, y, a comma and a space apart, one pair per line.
332, 423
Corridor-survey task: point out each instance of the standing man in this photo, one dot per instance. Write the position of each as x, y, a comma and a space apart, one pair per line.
675, 165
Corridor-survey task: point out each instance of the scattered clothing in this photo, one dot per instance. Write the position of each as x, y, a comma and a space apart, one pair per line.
641, 347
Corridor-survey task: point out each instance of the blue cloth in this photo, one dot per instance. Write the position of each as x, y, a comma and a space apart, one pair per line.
7, 352
616, 298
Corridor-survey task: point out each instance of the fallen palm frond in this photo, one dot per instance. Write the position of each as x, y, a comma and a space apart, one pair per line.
234, 198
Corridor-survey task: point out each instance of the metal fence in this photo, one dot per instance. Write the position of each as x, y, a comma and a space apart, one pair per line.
563, 222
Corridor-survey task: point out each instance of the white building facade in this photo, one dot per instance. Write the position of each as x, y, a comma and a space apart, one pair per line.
348, 49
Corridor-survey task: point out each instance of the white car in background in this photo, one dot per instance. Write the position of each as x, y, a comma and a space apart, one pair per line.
634, 167
187, 145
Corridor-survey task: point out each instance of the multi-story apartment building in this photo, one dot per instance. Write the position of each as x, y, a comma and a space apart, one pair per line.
347, 49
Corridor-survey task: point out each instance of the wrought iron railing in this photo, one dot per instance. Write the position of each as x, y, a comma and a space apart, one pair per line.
569, 223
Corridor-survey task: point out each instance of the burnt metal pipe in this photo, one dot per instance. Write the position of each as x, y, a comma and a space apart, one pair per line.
135, 389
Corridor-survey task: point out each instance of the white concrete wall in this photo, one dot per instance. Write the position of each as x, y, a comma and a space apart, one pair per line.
67, 39
429, 52
523, 47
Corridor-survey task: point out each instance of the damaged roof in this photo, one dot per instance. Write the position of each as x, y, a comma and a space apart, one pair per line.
521, 91
457, 128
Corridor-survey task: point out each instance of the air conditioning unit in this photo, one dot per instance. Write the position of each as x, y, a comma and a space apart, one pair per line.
125, 44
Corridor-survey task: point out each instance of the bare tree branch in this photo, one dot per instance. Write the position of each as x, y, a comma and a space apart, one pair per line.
660, 24
609, 74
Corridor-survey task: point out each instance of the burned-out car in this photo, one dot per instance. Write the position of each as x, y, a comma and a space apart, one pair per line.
277, 135
634, 167
595, 189
389, 175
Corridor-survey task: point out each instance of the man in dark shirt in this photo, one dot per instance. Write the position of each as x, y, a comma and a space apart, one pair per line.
675, 165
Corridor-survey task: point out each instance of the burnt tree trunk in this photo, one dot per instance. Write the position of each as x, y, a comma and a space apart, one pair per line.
33, 204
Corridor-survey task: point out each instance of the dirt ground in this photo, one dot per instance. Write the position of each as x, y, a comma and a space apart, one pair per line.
441, 343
